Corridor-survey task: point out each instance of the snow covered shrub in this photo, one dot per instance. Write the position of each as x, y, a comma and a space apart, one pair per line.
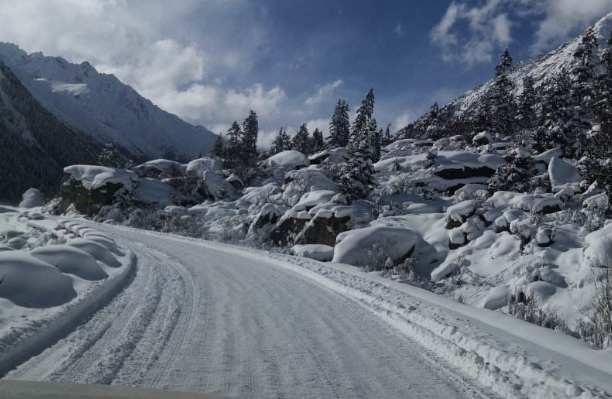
378, 257
533, 312
597, 330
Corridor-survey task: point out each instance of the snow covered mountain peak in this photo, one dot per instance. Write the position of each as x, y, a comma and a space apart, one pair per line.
103, 107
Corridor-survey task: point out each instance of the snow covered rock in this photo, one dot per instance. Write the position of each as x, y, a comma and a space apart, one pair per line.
153, 192
540, 290
98, 251
287, 160
562, 172
89, 187
313, 198
457, 214
198, 166
160, 168
596, 202
456, 238
363, 246
482, 138
496, 298
323, 253
70, 260
536, 203
32, 283
31, 199
215, 186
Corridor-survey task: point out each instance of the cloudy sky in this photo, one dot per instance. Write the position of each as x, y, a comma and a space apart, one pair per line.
210, 61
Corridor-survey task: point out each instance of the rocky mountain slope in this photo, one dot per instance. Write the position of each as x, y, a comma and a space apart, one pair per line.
103, 107
34, 144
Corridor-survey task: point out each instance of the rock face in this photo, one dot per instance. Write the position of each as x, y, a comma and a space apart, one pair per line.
87, 202
323, 229
287, 229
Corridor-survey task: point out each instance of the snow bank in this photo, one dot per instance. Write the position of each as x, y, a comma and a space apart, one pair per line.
32, 283
94, 177
98, 251
201, 165
354, 247
323, 253
70, 260
287, 160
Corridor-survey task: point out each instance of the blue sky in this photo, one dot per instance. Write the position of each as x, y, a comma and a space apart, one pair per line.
210, 61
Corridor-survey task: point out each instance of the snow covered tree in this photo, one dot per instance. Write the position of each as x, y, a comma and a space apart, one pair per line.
317, 143
301, 141
503, 107
250, 131
582, 88
110, 156
282, 142
234, 146
218, 149
527, 101
340, 126
515, 174
386, 138
357, 177
600, 145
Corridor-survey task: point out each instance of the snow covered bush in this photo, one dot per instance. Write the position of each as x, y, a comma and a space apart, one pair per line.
597, 328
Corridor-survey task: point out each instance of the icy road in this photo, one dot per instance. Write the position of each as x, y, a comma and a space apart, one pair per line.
209, 318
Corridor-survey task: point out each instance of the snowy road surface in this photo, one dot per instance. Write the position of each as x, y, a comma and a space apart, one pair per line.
200, 318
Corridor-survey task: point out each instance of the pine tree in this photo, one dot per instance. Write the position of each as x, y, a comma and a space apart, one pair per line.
317, 143
515, 174
584, 73
301, 141
250, 131
526, 114
218, 149
340, 126
234, 147
282, 142
357, 178
386, 137
110, 156
503, 108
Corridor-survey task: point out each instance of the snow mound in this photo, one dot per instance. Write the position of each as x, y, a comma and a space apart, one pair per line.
153, 191
323, 253
201, 165
70, 260
287, 160
562, 172
313, 198
159, 166
496, 298
98, 251
355, 247
93, 177
32, 283
31, 199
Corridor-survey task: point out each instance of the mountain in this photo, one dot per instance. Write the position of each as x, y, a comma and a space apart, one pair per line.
540, 69
104, 107
34, 144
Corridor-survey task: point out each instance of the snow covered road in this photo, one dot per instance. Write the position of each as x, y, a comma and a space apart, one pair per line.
200, 318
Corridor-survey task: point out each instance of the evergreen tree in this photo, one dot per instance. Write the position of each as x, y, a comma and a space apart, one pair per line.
282, 142
600, 146
234, 147
386, 137
357, 178
526, 114
584, 73
317, 143
250, 131
110, 156
218, 149
515, 174
503, 108
301, 141
340, 126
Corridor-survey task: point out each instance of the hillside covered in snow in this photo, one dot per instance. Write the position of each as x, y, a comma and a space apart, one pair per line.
103, 107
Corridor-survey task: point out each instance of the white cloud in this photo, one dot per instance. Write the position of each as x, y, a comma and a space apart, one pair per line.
403, 120
399, 31
564, 17
486, 28
148, 46
323, 92
487, 25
